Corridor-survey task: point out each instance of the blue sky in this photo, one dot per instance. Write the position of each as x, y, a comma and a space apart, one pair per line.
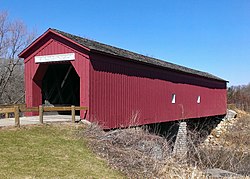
207, 35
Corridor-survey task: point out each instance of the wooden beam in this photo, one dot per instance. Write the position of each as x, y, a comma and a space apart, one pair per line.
58, 86
17, 116
12, 105
52, 108
41, 114
73, 113
7, 110
45, 109
30, 109
62, 108
41, 109
81, 108
66, 76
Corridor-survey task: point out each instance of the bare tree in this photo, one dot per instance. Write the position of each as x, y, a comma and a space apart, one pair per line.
240, 96
14, 37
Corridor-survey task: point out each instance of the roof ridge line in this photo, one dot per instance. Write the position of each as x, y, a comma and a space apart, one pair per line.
112, 50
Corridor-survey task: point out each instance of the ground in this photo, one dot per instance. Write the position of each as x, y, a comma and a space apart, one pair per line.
74, 151
49, 151
35, 120
228, 146
140, 154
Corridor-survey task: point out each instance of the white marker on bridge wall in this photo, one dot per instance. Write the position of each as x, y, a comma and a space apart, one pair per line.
55, 58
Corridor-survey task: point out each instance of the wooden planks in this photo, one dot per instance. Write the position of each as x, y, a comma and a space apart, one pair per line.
41, 114
17, 116
16, 109
29, 109
6, 110
73, 113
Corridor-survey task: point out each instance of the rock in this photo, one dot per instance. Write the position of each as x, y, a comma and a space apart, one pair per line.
230, 114
157, 153
219, 173
84, 121
223, 126
154, 149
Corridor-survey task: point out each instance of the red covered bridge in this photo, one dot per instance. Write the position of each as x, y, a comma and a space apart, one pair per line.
119, 87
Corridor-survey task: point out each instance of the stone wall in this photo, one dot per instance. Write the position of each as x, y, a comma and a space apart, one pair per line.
222, 127
207, 130
180, 147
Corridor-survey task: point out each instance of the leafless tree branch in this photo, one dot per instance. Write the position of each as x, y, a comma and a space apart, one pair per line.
14, 37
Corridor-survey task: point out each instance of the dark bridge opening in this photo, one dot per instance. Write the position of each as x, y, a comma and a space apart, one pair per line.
61, 86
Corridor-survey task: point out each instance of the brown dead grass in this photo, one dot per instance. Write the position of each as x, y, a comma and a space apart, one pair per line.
139, 154
231, 150
238, 134
133, 151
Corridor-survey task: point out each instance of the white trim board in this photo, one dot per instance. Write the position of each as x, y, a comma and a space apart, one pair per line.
55, 58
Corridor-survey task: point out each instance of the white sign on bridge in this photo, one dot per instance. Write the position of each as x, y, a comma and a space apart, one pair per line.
55, 58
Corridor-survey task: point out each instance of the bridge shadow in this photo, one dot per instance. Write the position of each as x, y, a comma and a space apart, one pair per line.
197, 129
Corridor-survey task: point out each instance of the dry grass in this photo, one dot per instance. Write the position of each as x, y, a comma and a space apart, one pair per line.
229, 151
139, 154
123, 149
133, 151
230, 159
238, 134
176, 169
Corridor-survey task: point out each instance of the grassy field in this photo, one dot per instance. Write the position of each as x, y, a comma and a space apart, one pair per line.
50, 151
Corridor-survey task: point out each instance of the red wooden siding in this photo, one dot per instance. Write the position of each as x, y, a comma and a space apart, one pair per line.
34, 72
121, 89
118, 90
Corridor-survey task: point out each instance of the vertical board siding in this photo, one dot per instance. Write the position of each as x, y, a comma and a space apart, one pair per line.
121, 91
34, 72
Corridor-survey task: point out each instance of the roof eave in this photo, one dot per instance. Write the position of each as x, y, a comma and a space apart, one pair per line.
154, 65
22, 54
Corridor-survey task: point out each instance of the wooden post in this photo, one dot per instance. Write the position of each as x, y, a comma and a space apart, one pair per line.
17, 119
41, 114
73, 113
6, 115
